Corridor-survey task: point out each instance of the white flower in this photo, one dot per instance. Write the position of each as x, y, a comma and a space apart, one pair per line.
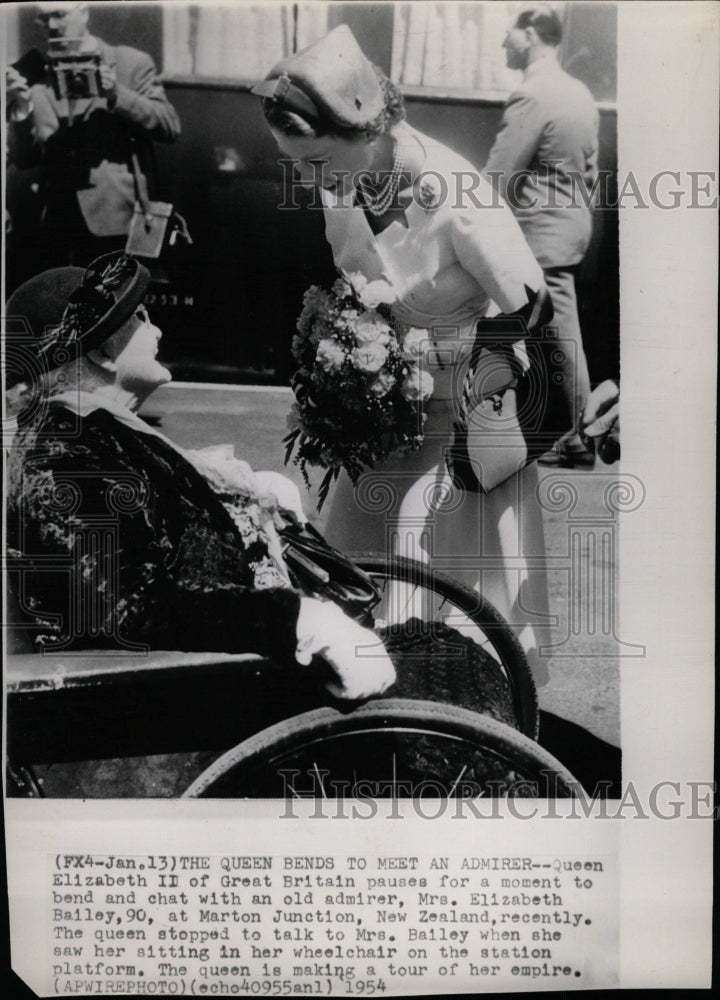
375, 292
371, 328
370, 293
330, 356
414, 342
369, 357
382, 384
418, 385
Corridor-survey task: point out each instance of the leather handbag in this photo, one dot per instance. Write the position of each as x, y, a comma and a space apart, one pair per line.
150, 220
512, 407
320, 570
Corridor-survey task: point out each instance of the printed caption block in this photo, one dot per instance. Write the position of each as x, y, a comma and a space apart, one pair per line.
327, 925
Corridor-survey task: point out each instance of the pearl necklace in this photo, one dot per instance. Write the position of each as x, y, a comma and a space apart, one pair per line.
378, 204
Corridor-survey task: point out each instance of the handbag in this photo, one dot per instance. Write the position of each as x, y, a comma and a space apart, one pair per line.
512, 407
150, 220
320, 570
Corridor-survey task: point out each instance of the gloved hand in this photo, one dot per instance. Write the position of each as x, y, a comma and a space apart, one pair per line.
599, 424
356, 654
284, 490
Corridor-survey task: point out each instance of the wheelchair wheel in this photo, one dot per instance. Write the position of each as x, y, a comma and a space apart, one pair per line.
396, 748
412, 588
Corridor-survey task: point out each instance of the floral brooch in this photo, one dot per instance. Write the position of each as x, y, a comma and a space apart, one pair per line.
429, 192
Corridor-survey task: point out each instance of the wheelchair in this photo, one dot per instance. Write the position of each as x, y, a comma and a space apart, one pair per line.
258, 728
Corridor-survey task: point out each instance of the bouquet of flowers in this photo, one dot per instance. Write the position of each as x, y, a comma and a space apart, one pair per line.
359, 388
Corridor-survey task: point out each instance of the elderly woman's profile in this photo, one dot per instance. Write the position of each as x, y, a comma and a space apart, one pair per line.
174, 571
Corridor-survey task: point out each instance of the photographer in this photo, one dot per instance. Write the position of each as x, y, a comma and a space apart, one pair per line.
87, 117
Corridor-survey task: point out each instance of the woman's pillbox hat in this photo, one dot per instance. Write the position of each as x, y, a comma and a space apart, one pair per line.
329, 79
67, 307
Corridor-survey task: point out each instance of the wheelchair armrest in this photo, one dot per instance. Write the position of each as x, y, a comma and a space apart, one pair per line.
85, 705
39, 671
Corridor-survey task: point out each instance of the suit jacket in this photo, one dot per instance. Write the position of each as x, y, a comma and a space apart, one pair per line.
89, 158
549, 129
115, 540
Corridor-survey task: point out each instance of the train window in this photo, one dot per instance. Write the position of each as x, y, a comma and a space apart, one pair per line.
242, 40
431, 47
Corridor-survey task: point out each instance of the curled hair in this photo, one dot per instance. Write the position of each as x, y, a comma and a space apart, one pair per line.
294, 124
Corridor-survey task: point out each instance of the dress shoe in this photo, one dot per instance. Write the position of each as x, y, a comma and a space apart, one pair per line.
562, 458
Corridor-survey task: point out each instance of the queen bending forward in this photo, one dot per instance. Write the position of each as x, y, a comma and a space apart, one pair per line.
402, 208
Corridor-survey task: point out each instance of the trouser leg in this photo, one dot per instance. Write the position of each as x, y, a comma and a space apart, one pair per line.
576, 383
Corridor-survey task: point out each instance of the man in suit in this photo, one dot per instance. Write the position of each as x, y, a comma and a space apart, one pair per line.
85, 138
546, 150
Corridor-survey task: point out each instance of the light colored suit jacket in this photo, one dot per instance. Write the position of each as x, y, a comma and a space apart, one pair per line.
447, 263
460, 259
544, 162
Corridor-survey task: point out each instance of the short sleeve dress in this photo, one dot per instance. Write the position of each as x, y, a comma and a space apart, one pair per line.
460, 257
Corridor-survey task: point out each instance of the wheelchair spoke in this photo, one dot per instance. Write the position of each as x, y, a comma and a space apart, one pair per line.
457, 780
320, 780
408, 603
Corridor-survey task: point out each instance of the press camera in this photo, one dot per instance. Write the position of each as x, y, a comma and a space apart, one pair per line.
74, 74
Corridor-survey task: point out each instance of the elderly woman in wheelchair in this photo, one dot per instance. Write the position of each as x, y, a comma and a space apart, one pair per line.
120, 542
